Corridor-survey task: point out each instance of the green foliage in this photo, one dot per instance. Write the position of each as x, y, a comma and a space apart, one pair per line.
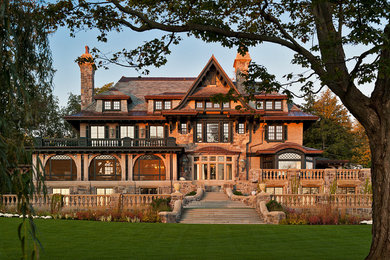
294, 185
57, 202
367, 187
104, 88
238, 193
192, 193
161, 204
333, 187
273, 205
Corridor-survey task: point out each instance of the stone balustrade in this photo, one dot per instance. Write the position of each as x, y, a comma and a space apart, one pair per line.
347, 174
88, 201
314, 174
314, 200
274, 174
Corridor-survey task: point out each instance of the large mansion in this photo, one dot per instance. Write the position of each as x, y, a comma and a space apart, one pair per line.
146, 133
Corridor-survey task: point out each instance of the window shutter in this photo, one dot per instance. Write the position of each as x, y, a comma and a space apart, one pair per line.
220, 132
285, 132
136, 134
147, 133
166, 131
106, 132
266, 133
88, 131
204, 138
117, 132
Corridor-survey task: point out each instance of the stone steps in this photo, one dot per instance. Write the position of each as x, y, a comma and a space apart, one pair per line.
217, 208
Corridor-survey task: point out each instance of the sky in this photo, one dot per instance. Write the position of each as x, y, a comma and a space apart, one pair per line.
186, 60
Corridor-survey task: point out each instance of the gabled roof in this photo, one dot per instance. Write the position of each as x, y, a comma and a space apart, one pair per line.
112, 93
190, 93
278, 147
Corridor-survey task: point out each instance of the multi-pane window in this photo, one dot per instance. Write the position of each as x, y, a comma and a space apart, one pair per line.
226, 105
217, 105
156, 131
127, 131
104, 191
199, 135
268, 105
278, 105
259, 105
274, 190
310, 190
199, 104
167, 104
213, 167
183, 128
112, 105
209, 104
275, 132
97, 132
241, 128
107, 105
225, 132
158, 105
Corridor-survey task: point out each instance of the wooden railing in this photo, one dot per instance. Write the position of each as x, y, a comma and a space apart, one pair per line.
315, 200
105, 142
88, 201
346, 174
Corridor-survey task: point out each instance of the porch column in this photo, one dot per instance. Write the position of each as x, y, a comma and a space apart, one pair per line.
86, 166
34, 166
78, 166
130, 167
174, 166
168, 166
123, 166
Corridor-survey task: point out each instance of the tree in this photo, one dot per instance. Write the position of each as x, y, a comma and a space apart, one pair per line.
317, 31
73, 107
26, 76
362, 153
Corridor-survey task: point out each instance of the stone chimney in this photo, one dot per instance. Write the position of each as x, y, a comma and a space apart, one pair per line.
87, 71
240, 65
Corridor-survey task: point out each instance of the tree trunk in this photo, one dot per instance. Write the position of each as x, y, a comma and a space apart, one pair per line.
380, 175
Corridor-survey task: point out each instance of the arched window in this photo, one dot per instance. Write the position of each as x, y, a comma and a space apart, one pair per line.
60, 168
149, 168
289, 160
104, 168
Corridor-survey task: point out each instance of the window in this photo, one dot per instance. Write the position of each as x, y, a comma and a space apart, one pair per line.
213, 167
209, 104
104, 168
127, 131
274, 190
199, 135
61, 191
107, 105
268, 105
104, 191
278, 105
183, 128
158, 105
149, 168
112, 105
241, 128
289, 160
156, 131
226, 105
60, 168
212, 133
346, 190
310, 190
97, 132
275, 132
199, 104
217, 105
259, 105
167, 104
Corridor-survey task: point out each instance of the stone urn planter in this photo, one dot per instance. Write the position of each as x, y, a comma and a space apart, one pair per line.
262, 187
177, 187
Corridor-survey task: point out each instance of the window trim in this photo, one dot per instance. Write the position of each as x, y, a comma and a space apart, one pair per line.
155, 105
163, 107
201, 136
273, 105
185, 128
240, 130
267, 133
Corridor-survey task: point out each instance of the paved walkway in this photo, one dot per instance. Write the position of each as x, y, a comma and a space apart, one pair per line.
217, 208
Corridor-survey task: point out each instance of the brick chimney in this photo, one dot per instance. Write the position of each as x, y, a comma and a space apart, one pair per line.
240, 65
87, 71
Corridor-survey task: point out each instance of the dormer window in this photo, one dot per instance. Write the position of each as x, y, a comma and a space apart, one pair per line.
278, 105
199, 104
216, 105
209, 104
268, 105
162, 105
112, 105
259, 104
272, 105
226, 105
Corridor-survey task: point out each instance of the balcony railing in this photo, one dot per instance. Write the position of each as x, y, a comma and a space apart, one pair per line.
309, 174
105, 142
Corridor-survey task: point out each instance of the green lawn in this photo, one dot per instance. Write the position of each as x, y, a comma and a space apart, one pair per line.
71, 239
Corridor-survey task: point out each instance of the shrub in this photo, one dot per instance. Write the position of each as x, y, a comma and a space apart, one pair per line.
273, 205
159, 205
192, 193
238, 193
57, 203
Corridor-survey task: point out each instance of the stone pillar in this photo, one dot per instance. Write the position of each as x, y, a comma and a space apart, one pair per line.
78, 166
34, 166
123, 166
130, 167
329, 180
87, 71
168, 166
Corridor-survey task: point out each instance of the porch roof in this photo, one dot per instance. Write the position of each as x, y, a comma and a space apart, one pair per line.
278, 147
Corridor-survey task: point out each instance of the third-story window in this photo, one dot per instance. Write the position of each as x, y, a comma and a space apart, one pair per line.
199, 104
259, 105
167, 104
209, 104
216, 105
183, 128
158, 105
107, 105
116, 105
226, 105
278, 105
241, 128
268, 105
